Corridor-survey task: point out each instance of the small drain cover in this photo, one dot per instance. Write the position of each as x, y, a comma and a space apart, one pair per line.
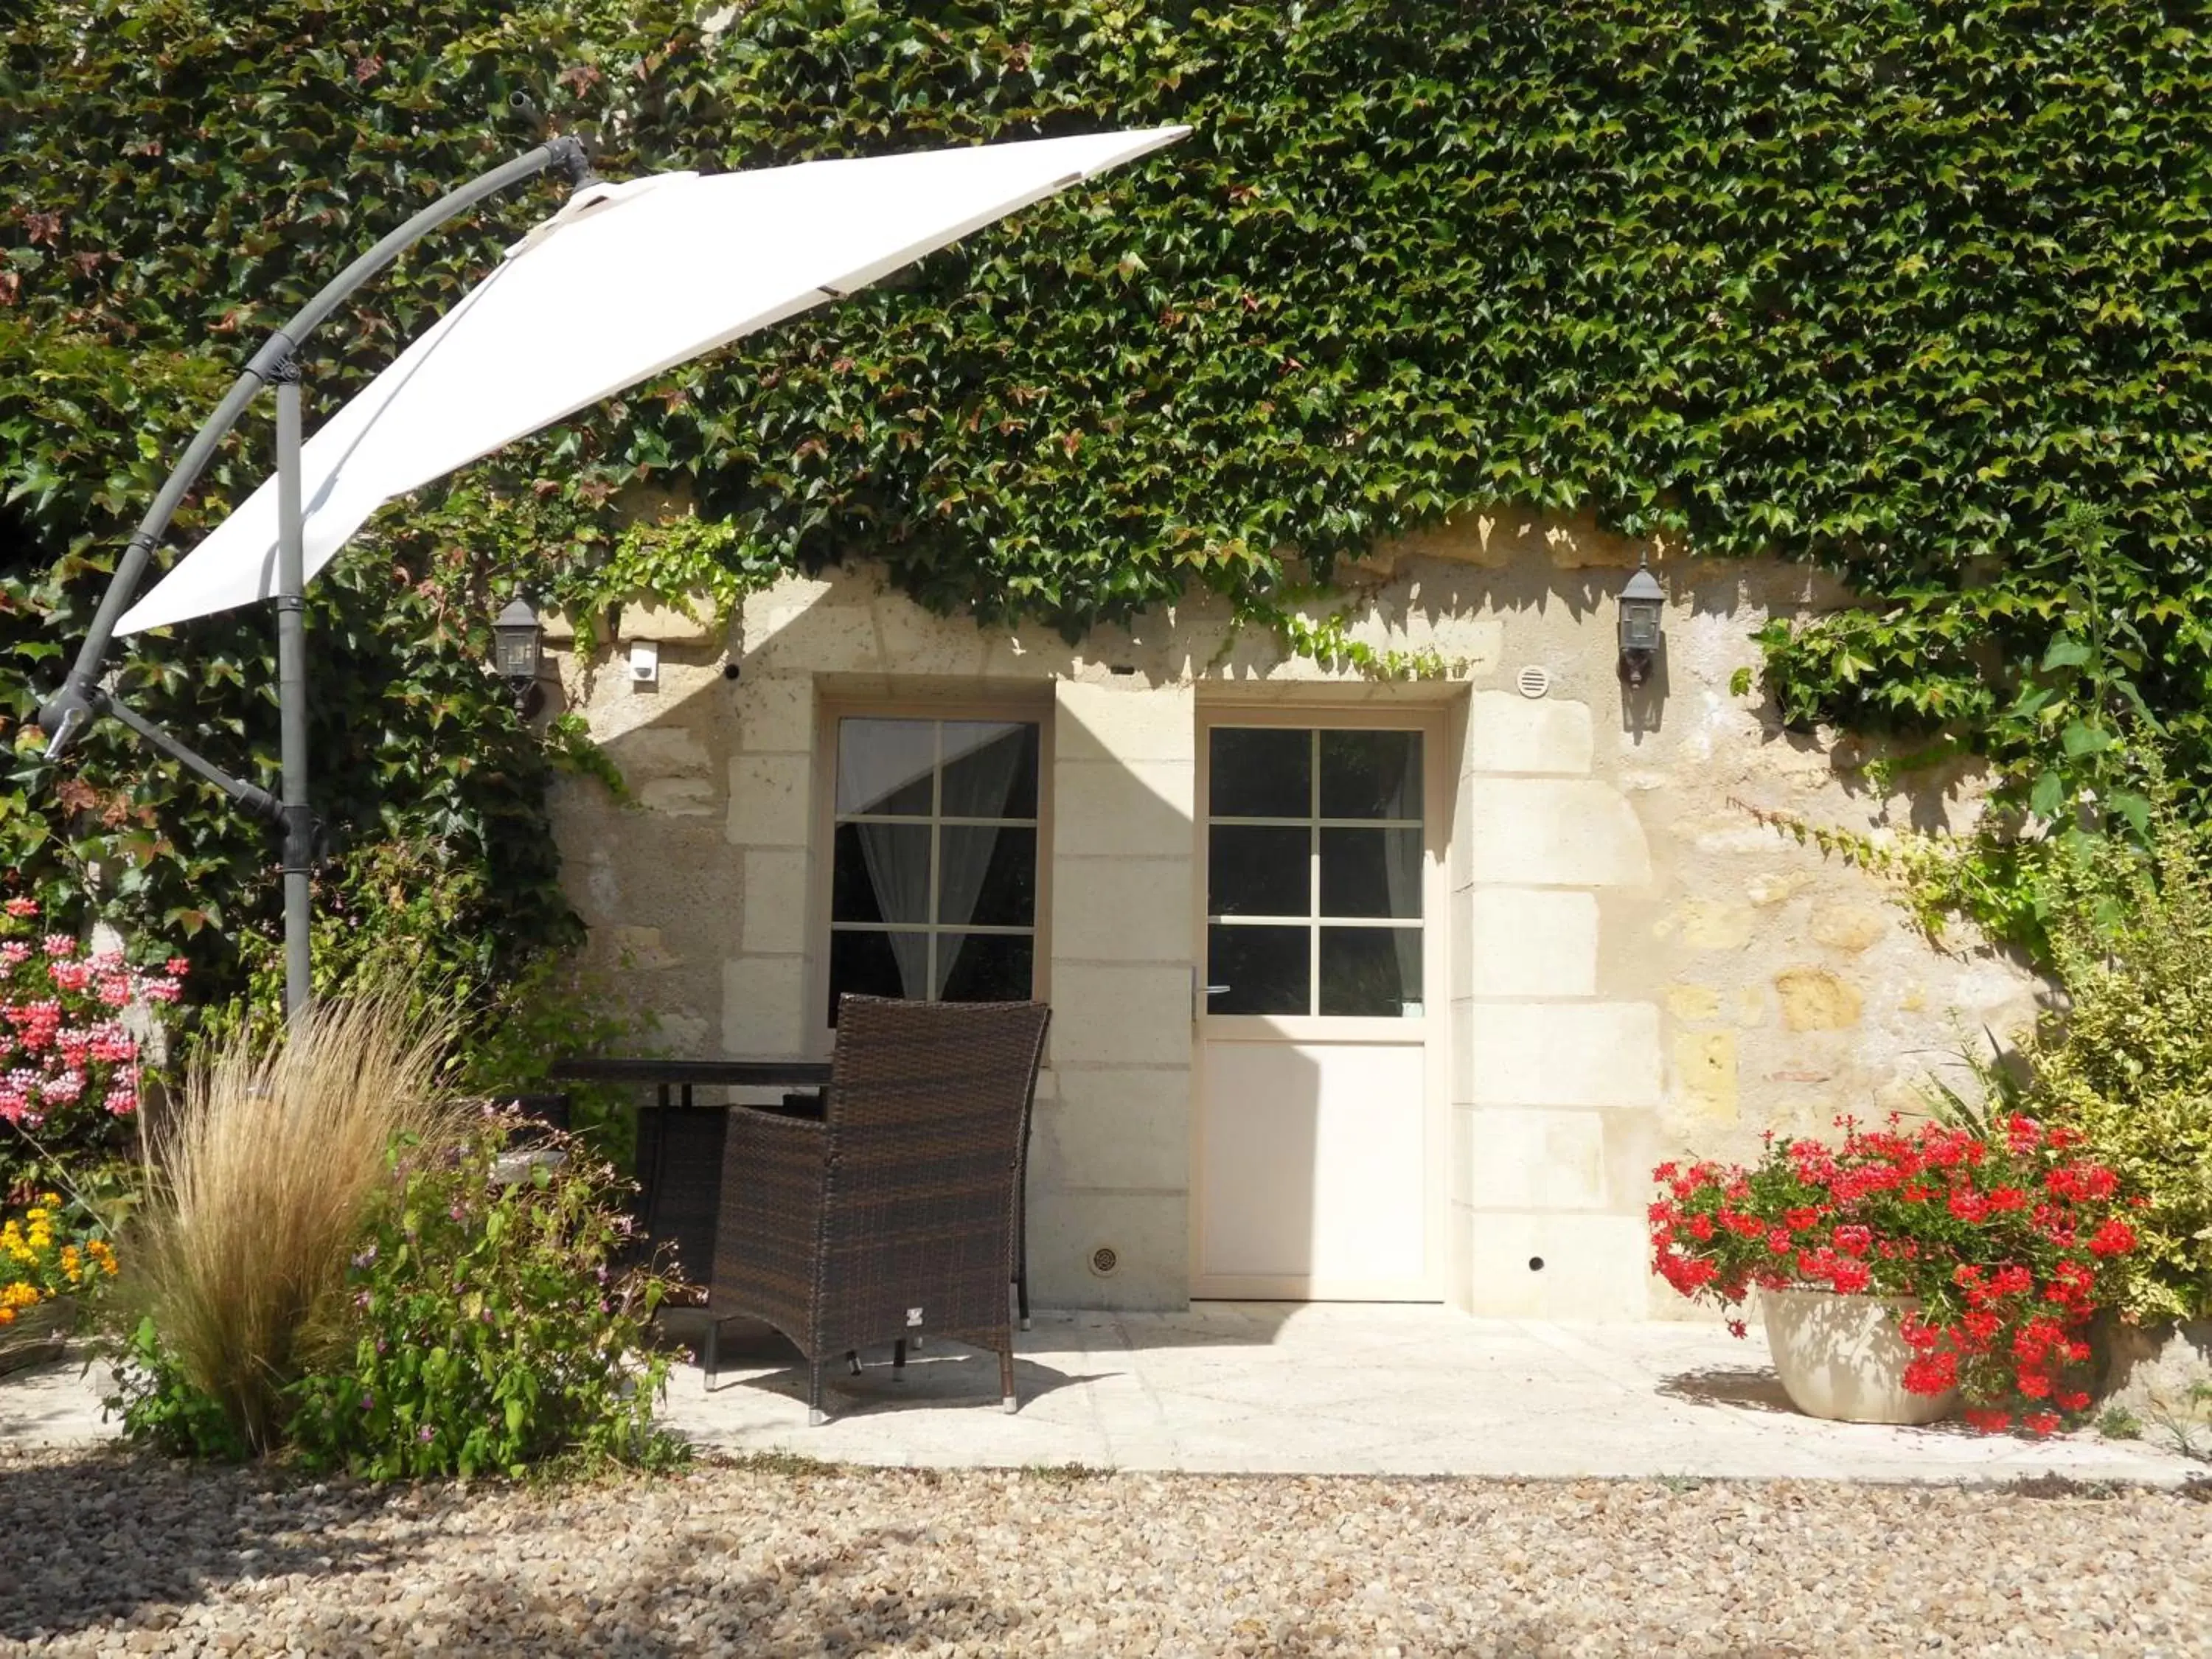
1104, 1259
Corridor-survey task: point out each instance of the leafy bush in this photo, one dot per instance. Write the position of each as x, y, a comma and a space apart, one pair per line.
489, 1326
2009, 1242
2128, 1059
259, 1187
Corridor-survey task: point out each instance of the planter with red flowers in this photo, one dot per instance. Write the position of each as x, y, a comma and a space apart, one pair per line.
1902, 1273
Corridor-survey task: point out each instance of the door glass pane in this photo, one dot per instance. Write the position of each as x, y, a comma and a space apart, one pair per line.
880, 873
885, 766
1370, 872
1370, 971
990, 770
987, 874
1266, 971
1370, 774
984, 967
1260, 772
877, 964
1259, 870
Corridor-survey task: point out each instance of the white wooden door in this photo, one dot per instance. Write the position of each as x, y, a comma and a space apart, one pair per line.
1319, 1128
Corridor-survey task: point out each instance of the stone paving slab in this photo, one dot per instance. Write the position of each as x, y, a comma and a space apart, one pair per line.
1319, 1389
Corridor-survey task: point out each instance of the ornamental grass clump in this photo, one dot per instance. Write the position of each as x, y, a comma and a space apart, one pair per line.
259, 1187
2008, 1241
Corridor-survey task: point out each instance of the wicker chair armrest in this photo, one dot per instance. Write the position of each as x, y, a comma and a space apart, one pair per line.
771, 1139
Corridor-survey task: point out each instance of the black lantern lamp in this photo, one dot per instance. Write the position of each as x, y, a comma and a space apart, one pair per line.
1643, 601
515, 642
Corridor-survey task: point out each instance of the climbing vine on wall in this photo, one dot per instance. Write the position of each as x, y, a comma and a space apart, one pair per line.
1911, 290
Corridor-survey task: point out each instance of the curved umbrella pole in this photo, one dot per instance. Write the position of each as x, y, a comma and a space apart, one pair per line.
81, 699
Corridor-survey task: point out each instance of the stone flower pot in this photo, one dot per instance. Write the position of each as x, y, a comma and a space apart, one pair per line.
37, 1334
1843, 1358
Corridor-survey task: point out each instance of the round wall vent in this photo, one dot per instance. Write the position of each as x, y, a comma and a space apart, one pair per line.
1534, 681
1104, 1259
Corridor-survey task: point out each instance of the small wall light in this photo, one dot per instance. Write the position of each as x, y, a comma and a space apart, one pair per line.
1643, 601
516, 640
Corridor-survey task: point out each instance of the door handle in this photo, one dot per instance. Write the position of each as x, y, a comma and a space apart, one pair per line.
1199, 991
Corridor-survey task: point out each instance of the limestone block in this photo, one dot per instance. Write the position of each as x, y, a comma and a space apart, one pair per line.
1704, 1080
660, 752
775, 901
1508, 732
810, 633
1122, 910
1121, 1015
763, 1005
1469, 645
1849, 927
1709, 924
1140, 808
1148, 1233
912, 640
1593, 1266
641, 949
683, 798
1562, 1054
1521, 1159
1814, 999
1693, 1002
1532, 942
1555, 832
1115, 722
1771, 887
770, 800
1125, 1126
775, 716
691, 620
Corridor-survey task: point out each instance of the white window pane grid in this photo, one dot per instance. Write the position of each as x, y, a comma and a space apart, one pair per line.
937, 821
1313, 918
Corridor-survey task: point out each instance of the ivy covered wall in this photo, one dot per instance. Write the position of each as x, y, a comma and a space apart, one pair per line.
1915, 289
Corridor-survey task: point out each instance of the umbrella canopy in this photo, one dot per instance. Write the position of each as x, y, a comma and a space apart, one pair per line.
626, 280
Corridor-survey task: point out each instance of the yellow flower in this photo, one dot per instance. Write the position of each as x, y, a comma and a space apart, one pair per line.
49, 1198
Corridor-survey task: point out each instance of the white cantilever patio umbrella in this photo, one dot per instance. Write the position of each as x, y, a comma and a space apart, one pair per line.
626, 280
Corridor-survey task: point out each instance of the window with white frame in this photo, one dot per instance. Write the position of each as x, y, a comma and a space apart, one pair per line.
1314, 862
933, 884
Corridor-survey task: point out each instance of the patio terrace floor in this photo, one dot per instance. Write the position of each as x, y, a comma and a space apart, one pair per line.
1319, 1389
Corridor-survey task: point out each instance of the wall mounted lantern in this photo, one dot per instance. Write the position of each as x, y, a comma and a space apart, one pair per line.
516, 639
1643, 601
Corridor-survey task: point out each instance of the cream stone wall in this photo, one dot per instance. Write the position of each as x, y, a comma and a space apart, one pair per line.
1639, 968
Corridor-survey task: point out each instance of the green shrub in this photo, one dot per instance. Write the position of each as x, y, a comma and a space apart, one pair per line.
2128, 1059
486, 1327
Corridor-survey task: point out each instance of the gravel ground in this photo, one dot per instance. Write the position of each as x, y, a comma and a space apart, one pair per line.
107, 1553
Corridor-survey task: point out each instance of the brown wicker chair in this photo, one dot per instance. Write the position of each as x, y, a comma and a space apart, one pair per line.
894, 1216
679, 1170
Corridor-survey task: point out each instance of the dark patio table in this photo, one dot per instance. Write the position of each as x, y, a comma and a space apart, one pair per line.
679, 1147
688, 1074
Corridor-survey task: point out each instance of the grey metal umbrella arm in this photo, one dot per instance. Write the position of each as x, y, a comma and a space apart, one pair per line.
82, 698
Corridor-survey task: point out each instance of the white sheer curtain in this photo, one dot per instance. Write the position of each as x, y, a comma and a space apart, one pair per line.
897, 856
990, 758
1403, 876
